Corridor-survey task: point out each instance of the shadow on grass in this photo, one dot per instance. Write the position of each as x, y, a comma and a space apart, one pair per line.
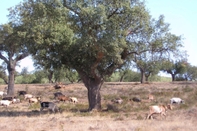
7, 113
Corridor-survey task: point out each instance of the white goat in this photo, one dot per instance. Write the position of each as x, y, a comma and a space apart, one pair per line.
73, 99
161, 109
34, 100
176, 100
16, 100
2, 93
5, 102
28, 96
117, 100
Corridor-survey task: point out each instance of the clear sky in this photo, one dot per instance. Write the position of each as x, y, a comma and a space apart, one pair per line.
180, 14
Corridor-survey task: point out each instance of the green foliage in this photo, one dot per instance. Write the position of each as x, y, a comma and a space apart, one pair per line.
153, 45
65, 74
25, 79
3, 74
39, 75
129, 76
175, 68
81, 39
24, 71
191, 73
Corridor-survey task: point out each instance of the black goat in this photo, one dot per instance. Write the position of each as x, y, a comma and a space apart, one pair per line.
49, 105
22, 93
57, 94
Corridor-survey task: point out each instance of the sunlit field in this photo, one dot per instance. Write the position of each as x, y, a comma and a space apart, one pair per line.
127, 116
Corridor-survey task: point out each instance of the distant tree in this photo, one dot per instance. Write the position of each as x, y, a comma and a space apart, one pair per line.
191, 73
132, 76
24, 71
3, 74
39, 76
153, 43
174, 67
123, 74
72, 75
12, 50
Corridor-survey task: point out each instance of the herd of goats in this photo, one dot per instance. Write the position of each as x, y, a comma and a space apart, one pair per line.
7, 100
155, 109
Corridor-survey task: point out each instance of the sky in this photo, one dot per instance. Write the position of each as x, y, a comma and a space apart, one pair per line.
180, 14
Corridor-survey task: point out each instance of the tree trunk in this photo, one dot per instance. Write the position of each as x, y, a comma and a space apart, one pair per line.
122, 76
50, 76
147, 78
173, 77
142, 76
11, 71
147, 75
94, 97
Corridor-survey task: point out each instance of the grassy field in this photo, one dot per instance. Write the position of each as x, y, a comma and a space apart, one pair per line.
128, 116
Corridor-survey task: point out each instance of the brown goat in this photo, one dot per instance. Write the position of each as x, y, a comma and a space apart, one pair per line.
161, 109
34, 100
150, 97
63, 98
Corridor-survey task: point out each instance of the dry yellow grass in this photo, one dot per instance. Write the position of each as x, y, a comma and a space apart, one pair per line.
21, 117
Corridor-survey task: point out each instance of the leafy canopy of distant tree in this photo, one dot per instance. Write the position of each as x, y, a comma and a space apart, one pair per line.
90, 37
12, 49
174, 67
154, 43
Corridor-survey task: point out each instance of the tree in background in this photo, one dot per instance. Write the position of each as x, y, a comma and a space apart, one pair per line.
87, 36
153, 43
3, 74
125, 75
174, 67
12, 50
191, 73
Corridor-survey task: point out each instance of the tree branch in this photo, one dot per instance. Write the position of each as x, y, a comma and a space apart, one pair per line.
114, 12
22, 56
3, 58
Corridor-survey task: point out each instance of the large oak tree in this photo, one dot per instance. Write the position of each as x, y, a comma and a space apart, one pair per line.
88, 36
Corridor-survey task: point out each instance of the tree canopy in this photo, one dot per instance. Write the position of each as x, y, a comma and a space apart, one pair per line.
91, 37
12, 49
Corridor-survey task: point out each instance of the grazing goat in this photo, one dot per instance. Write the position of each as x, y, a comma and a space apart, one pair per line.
49, 105
117, 100
176, 100
150, 97
57, 94
9, 98
73, 99
16, 100
34, 100
28, 96
162, 109
59, 85
22, 93
12, 99
63, 98
136, 99
2, 93
5, 102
